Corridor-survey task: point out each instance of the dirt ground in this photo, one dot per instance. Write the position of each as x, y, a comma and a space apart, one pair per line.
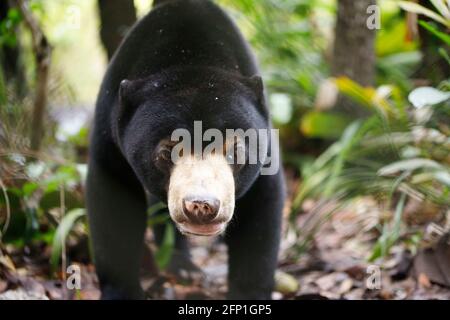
336, 268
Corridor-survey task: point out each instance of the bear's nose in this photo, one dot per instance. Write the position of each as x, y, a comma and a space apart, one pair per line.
201, 210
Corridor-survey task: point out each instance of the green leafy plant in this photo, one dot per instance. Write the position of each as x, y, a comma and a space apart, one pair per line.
158, 215
165, 250
390, 234
32, 197
7, 27
395, 155
441, 15
66, 224
442, 7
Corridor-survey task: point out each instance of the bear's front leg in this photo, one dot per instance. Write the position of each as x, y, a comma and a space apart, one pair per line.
180, 265
117, 221
253, 240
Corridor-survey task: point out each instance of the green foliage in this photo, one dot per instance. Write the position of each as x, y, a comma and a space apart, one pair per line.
389, 235
323, 125
397, 52
441, 16
399, 150
434, 30
62, 231
290, 39
7, 28
165, 250
32, 199
81, 138
442, 7
158, 215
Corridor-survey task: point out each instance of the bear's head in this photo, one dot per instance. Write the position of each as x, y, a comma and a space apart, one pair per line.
197, 138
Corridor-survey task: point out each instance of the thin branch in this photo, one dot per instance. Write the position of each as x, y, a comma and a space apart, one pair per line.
42, 52
8, 211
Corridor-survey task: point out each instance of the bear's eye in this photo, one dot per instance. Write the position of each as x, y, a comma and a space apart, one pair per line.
163, 155
236, 155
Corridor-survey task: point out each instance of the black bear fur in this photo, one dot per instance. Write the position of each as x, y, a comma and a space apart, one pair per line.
184, 61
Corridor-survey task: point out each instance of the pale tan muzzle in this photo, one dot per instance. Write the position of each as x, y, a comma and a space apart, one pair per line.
201, 194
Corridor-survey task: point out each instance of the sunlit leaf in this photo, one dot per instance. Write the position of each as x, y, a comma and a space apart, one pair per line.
347, 141
323, 125
390, 234
441, 35
443, 177
366, 96
442, 8
281, 107
63, 230
408, 165
427, 96
418, 9
28, 188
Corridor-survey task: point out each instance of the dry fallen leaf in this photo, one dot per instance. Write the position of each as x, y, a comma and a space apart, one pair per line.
424, 281
285, 283
435, 262
345, 286
7, 262
3, 286
327, 282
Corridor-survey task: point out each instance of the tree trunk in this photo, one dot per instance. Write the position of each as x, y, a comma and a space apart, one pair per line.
354, 50
116, 16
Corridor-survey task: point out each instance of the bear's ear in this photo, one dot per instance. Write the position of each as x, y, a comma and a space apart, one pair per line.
129, 97
123, 88
130, 94
128, 91
255, 83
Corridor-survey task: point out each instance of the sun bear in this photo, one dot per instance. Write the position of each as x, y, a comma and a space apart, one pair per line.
184, 69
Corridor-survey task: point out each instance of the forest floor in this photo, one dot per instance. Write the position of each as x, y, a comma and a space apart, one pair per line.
336, 267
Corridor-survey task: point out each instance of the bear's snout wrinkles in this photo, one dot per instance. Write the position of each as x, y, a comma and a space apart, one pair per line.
201, 210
